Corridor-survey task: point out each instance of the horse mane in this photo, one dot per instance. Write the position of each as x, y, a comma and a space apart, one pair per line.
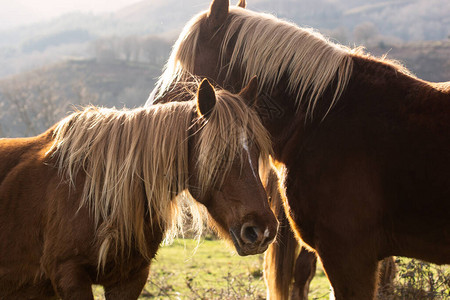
272, 48
136, 163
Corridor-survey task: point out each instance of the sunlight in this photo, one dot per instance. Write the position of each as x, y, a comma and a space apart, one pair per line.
21, 12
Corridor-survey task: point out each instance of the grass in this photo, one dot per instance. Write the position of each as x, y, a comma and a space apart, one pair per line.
214, 271
210, 271
320, 286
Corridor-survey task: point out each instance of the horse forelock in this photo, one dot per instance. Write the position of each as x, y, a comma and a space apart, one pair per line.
137, 161
226, 136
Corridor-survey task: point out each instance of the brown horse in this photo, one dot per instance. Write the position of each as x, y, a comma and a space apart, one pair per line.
289, 268
90, 200
366, 145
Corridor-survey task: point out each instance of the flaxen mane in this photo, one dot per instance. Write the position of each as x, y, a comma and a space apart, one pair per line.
271, 48
138, 159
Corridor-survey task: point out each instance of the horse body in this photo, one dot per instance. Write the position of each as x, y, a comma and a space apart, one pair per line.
366, 146
395, 142
59, 232
13, 166
372, 180
54, 240
405, 131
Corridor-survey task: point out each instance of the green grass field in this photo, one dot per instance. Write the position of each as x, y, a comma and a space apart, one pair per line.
212, 270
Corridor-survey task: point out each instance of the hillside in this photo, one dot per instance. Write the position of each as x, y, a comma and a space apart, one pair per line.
427, 60
114, 59
392, 18
348, 21
33, 101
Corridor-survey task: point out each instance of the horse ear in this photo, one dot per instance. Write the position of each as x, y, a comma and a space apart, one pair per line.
242, 3
218, 12
250, 92
206, 98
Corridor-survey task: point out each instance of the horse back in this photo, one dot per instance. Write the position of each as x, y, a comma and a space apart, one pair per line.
14, 151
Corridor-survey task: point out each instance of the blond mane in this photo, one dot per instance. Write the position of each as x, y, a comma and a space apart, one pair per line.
270, 48
138, 159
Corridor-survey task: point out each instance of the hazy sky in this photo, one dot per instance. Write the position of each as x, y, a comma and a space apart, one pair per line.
19, 12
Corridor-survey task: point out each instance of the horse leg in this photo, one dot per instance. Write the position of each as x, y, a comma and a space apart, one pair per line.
305, 269
279, 259
71, 281
128, 289
352, 276
387, 273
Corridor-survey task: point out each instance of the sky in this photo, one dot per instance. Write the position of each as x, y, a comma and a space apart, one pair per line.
20, 12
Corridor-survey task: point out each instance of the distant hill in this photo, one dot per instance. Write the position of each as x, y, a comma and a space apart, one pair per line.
431, 18
390, 17
408, 20
33, 101
132, 44
427, 60
115, 83
71, 35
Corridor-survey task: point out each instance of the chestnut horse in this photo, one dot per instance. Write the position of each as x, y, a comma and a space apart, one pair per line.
366, 144
90, 200
289, 268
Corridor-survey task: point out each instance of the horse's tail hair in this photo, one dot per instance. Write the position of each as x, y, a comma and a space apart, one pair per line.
280, 257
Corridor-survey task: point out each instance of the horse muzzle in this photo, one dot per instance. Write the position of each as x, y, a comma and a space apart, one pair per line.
249, 239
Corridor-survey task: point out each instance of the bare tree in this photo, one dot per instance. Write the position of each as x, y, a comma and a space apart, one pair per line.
17, 100
34, 101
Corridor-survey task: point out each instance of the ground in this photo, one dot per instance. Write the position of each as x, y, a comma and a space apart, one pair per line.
212, 270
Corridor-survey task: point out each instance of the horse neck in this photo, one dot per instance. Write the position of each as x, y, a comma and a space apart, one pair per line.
379, 85
376, 91
288, 121
278, 114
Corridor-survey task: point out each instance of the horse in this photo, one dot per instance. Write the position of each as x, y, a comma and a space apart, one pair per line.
364, 142
289, 267
90, 200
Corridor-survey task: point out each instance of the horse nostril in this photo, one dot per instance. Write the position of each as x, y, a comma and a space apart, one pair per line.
249, 234
267, 239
